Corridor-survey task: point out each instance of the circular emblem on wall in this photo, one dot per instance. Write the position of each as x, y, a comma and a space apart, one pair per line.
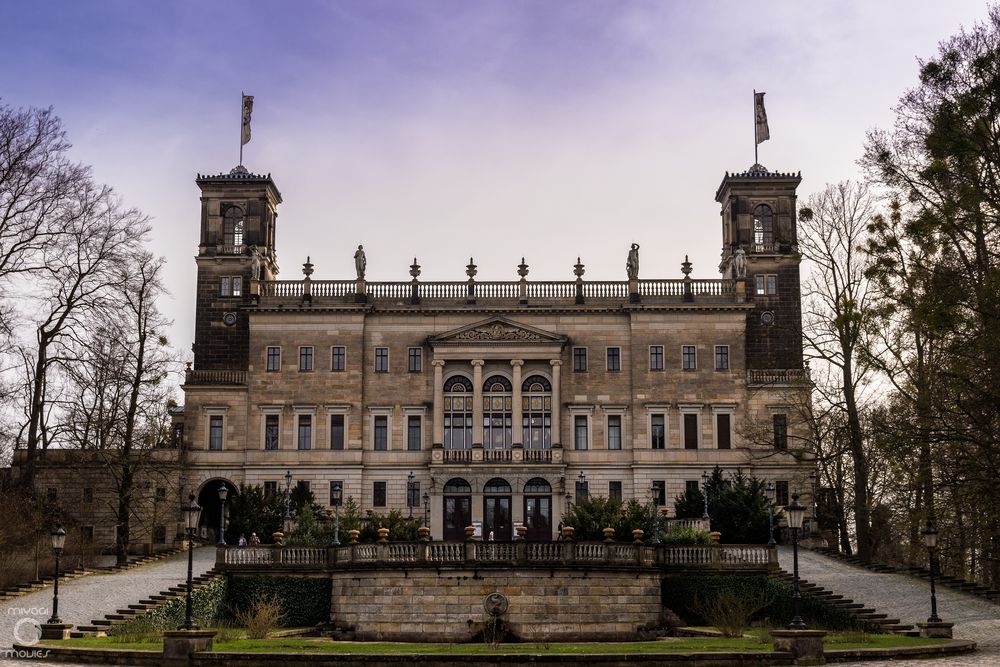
229, 319
496, 604
767, 318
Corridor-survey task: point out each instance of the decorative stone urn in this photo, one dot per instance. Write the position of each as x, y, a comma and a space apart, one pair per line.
716, 536
568, 533
353, 535
522, 530
279, 538
470, 532
383, 536
425, 533
609, 534
637, 535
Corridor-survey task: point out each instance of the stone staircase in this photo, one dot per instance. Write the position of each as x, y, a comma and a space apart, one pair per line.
954, 583
99, 627
858, 610
74, 573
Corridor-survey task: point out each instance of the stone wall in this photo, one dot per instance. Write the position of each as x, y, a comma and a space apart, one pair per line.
545, 605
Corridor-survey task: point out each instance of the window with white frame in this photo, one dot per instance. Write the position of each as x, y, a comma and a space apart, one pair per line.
581, 431
273, 358
766, 284
381, 360
338, 358
614, 363
656, 357
691, 425
614, 431
215, 432
689, 357
272, 427
579, 360
414, 360
305, 358
722, 418
381, 429
657, 430
337, 420
305, 431
721, 357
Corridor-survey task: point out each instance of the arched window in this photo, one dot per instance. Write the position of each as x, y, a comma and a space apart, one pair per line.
537, 485
458, 413
496, 486
763, 225
457, 485
536, 419
497, 412
232, 226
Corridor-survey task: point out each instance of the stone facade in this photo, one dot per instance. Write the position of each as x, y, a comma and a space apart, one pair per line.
344, 381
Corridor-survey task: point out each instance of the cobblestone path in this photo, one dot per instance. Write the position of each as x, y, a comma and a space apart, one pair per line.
908, 599
87, 598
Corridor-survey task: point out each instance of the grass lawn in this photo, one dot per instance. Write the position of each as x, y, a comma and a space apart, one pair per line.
748, 644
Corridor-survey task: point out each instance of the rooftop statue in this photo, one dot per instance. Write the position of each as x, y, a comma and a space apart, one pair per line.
360, 262
632, 264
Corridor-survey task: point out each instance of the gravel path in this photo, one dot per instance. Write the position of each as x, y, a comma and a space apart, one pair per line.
908, 599
87, 598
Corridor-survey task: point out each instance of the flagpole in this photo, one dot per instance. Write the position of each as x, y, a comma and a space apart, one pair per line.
755, 142
241, 128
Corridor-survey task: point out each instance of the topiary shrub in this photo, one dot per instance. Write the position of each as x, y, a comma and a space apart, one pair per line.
304, 601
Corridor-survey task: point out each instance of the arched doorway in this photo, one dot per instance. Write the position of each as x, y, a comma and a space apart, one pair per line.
211, 509
538, 510
457, 509
496, 510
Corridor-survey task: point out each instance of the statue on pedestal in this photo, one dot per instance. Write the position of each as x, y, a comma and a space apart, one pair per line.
360, 262
740, 264
632, 264
255, 263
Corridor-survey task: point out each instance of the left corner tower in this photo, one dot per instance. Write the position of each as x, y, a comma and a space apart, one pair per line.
236, 246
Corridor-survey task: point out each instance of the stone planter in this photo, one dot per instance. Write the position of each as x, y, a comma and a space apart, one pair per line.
637, 535
383, 536
425, 533
609, 534
806, 646
568, 533
353, 535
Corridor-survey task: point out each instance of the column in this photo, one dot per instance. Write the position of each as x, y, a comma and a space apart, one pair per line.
477, 403
438, 366
517, 435
556, 405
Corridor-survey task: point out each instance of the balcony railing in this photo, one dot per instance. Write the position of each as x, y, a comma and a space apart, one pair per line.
192, 376
778, 376
475, 553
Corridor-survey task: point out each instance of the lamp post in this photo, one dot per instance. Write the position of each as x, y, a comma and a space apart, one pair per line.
409, 493
223, 493
704, 493
288, 501
58, 542
795, 513
656, 513
582, 478
192, 513
427, 510
930, 541
769, 490
335, 498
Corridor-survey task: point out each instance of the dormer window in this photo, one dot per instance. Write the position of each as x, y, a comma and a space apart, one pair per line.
232, 227
763, 225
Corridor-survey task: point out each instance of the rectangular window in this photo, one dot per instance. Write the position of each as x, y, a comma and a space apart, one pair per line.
381, 360
414, 360
690, 431
305, 358
381, 433
780, 431
722, 426
338, 354
215, 432
413, 494
614, 359
272, 424
413, 433
766, 284
656, 357
721, 357
758, 281
580, 431
225, 286
305, 431
615, 491
614, 431
334, 487
273, 358
378, 494
689, 357
579, 359
658, 431
692, 487
772, 284
270, 489
336, 431
659, 489
581, 492
237, 286
781, 492
303, 487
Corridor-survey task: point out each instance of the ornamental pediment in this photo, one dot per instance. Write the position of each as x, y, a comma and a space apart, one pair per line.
497, 330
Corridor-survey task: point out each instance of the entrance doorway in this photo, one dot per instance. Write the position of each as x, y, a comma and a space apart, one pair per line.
496, 510
457, 509
538, 510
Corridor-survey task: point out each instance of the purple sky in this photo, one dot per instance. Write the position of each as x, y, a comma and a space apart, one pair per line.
454, 129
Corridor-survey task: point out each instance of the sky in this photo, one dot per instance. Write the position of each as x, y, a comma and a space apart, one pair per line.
445, 130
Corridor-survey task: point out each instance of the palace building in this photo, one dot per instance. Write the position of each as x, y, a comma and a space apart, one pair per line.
494, 403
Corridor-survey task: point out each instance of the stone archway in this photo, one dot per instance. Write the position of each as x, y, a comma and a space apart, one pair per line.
211, 508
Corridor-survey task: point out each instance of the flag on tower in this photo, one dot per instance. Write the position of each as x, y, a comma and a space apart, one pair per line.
762, 133
247, 110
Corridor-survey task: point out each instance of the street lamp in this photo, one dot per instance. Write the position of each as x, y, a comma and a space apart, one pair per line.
795, 513
769, 490
288, 501
409, 493
930, 541
192, 512
223, 492
656, 513
704, 493
58, 542
582, 477
335, 498
427, 510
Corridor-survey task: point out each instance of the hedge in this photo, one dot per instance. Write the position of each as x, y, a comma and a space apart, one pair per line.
305, 601
678, 594
207, 607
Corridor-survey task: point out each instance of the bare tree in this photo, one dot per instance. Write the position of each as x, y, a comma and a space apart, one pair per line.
836, 319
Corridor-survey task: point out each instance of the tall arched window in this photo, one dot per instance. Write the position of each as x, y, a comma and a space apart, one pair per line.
458, 413
497, 412
763, 225
232, 226
536, 420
